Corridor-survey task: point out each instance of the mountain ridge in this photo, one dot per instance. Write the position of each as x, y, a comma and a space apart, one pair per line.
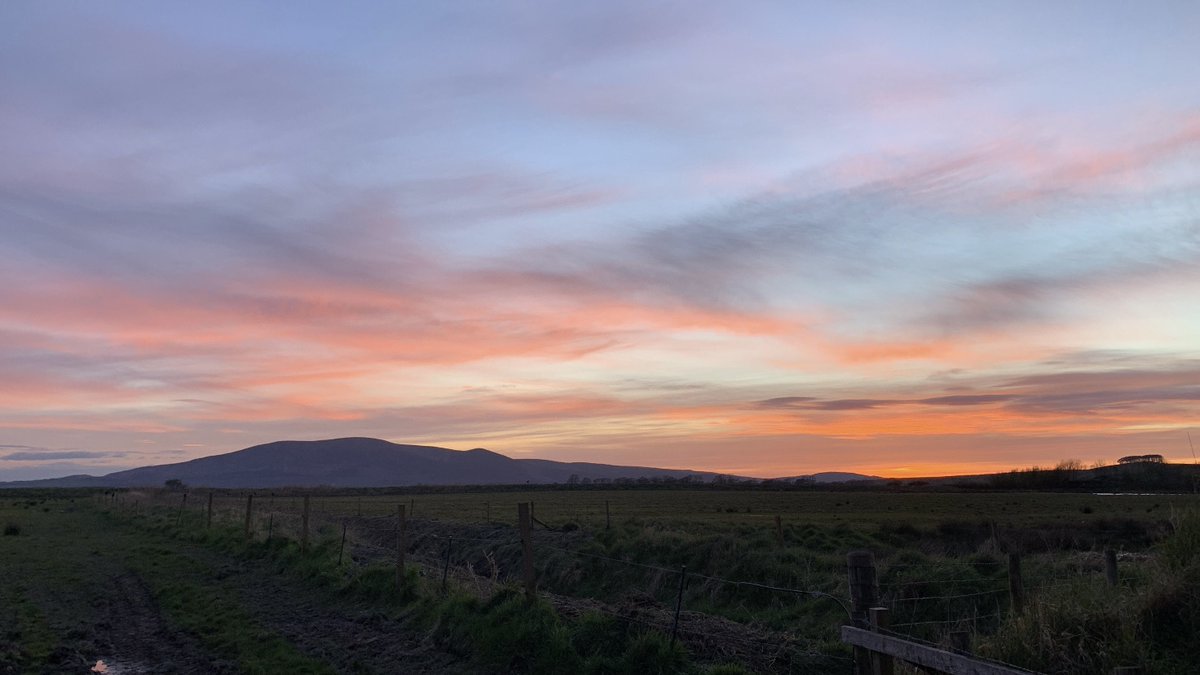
356, 462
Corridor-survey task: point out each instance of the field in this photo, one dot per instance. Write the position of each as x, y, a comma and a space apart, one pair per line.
142, 579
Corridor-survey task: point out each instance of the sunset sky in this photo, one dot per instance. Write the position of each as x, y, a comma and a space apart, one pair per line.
761, 238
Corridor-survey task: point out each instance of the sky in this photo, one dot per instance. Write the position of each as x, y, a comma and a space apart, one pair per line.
762, 238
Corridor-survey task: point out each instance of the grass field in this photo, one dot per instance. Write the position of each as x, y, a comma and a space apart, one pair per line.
206, 597
716, 510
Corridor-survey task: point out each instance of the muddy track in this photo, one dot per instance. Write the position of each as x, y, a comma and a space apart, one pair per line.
139, 640
350, 639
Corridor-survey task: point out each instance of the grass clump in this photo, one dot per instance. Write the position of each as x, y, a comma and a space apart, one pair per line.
505, 632
1089, 627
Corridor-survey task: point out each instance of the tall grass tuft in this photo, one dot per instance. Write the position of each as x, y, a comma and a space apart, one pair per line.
1086, 626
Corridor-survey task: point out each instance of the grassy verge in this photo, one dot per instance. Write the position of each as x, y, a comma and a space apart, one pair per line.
503, 633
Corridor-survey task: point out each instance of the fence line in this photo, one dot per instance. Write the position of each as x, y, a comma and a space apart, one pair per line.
295, 518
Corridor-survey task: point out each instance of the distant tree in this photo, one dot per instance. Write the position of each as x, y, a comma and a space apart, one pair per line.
174, 484
1070, 465
1138, 459
573, 479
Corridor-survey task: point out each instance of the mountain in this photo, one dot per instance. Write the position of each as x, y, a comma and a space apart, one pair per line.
831, 477
356, 462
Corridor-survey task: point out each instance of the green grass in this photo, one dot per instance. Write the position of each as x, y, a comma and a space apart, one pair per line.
939, 556
56, 583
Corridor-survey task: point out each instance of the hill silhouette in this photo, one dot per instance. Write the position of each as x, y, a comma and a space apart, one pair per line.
356, 462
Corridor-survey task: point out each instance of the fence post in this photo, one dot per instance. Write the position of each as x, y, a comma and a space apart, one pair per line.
304, 526
446, 566
607, 516
487, 512
1110, 566
779, 530
678, 603
208, 517
342, 547
249, 509
270, 524
401, 544
860, 565
524, 520
882, 664
182, 506
1016, 588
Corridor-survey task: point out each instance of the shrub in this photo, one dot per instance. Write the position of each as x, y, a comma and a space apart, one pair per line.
1182, 548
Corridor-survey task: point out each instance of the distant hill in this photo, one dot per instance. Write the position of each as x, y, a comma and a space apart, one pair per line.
832, 477
356, 462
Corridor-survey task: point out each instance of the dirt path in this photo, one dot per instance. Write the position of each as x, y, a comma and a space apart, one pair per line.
351, 639
76, 589
134, 638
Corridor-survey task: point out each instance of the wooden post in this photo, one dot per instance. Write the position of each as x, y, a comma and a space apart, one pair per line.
182, 506
525, 523
779, 530
678, 603
860, 565
360, 507
607, 516
208, 517
401, 544
1110, 566
304, 526
343, 545
249, 510
446, 567
881, 664
487, 512
270, 524
412, 508
861, 568
1016, 588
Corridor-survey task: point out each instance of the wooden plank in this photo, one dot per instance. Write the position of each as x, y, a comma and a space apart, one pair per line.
923, 655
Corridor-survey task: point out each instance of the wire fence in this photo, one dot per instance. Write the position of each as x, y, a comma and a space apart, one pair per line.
928, 600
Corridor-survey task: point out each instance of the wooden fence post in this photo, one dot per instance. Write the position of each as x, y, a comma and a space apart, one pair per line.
678, 603
607, 516
779, 530
446, 567
249, 510
208, 517
524, 520
182, 506
860, 565
304, 526
1110, 566
487, 512
1016, 587
270, 524
881, 664
343, 545
401, 544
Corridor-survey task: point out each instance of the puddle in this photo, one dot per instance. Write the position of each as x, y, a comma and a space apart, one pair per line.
119, 667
